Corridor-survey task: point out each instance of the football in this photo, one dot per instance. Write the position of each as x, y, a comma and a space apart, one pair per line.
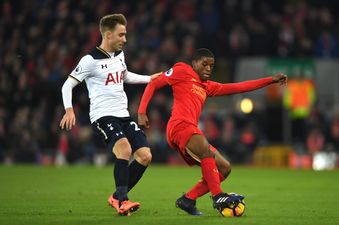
237, 210
234, 210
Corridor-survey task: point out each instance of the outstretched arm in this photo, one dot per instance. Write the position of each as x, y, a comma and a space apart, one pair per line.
217, 89
134, 78
154, 85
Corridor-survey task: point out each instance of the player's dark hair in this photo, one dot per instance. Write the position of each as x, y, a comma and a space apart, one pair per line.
109, 22
202, 52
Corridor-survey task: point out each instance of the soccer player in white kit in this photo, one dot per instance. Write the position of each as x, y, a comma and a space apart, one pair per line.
104, 71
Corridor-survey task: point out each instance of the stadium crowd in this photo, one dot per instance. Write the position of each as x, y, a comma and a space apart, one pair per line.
42, 40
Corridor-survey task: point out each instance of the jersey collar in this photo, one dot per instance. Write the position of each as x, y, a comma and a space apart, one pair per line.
109, 55
104, 52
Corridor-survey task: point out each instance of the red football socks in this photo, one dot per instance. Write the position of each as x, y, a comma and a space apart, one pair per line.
201, 188
210, 174
198, 190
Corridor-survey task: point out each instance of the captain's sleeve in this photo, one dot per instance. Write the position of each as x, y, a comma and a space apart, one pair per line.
152, 86
83, 69
218, 89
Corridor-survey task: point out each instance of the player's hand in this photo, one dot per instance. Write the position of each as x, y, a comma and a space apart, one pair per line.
68, 120
280, 78
153, 76
143, 120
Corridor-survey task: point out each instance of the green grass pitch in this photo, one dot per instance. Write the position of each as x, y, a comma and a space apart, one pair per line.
77, 195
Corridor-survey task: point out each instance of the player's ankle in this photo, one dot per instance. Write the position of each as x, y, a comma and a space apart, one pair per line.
188, 196
217, 195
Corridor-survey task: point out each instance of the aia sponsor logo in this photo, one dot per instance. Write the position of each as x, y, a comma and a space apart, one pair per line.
115, 78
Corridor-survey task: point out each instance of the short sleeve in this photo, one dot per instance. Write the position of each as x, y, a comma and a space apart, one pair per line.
83, 69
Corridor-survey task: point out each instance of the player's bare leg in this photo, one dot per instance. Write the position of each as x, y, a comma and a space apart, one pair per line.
224, 166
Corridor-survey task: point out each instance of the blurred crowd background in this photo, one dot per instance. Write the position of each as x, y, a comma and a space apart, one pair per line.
41, 41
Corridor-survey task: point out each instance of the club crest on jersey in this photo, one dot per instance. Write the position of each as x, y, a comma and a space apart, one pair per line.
116, 78
78, 69
169, 72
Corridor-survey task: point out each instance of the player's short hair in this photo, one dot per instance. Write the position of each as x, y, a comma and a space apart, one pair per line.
109, 22
202, 52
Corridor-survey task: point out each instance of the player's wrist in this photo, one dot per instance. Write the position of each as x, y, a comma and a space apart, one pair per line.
69, 110
273, 79
141, 113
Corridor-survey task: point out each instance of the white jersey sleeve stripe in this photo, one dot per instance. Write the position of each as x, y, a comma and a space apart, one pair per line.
70, 76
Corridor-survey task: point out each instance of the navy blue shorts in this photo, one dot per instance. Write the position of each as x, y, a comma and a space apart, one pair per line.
111, 129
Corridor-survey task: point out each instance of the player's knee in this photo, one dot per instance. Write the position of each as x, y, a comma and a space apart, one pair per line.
146, 159
122, 149
143, 156
225, 169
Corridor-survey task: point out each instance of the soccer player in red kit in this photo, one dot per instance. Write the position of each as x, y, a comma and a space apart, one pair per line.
191, 86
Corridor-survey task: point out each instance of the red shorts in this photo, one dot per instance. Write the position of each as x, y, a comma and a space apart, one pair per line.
178, 134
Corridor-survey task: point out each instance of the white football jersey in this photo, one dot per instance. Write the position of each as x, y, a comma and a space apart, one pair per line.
104, 74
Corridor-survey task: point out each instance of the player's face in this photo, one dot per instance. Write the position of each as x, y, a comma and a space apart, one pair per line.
203, 67
117, 38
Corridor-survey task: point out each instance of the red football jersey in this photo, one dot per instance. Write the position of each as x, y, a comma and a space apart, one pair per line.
190, 92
